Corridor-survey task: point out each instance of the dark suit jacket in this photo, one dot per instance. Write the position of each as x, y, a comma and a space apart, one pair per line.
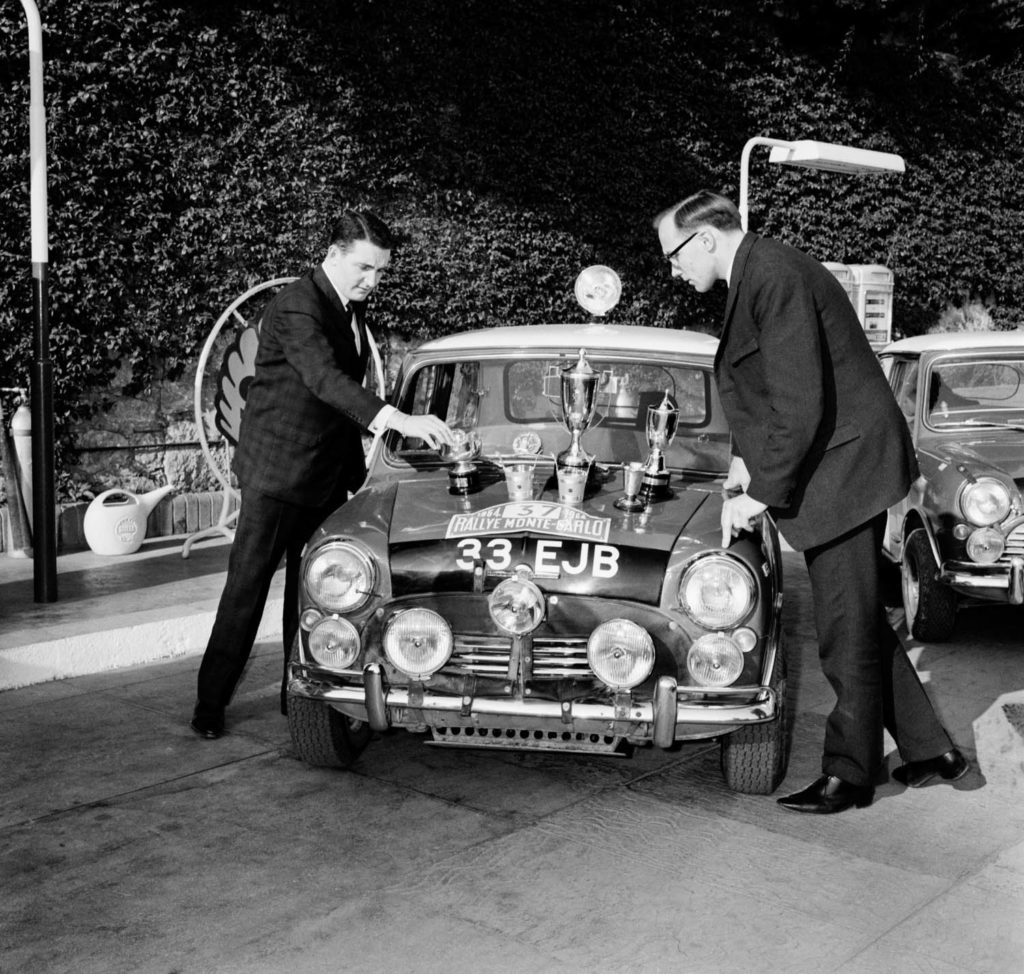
301, 430
810, 410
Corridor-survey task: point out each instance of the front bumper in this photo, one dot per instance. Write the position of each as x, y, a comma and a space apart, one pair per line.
999, 582
662, 719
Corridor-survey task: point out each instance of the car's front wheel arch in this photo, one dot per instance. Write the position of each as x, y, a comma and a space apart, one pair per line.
929, 605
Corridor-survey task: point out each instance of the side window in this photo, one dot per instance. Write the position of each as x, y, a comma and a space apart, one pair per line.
430, 393
904, 386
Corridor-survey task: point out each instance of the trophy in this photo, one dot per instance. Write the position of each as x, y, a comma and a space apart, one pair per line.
662, 422
632, 480
579, 402
463, 476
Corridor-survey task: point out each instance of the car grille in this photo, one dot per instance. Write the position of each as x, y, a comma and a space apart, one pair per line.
1014, 545
554, 658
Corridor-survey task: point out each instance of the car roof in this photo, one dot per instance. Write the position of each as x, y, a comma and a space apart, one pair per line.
956, 341
595, 337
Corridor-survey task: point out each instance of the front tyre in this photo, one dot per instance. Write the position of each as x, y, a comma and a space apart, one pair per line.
930, 606
755, 756
323, 737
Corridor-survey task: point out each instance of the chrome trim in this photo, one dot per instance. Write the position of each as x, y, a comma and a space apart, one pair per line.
965, 580
1016, 588
999, 576
664, 727
736, 706
377, 715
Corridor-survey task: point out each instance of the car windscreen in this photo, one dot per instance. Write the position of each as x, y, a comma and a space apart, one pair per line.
975, 393
514, 405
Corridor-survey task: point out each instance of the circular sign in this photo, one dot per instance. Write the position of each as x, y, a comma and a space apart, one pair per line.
527, 443
598, 289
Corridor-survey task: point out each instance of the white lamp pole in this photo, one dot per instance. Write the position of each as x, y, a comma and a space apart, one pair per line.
44, 520
809, 154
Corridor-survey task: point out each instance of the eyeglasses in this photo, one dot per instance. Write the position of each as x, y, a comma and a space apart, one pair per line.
671, 255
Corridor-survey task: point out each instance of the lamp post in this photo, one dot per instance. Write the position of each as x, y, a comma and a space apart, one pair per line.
44, 520
809, 154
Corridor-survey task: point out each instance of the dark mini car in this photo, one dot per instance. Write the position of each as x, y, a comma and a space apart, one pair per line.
474, 599
958, 537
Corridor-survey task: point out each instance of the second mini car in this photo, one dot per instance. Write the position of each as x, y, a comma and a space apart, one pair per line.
958, 537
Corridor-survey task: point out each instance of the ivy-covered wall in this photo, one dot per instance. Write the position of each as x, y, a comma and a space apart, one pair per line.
196, 149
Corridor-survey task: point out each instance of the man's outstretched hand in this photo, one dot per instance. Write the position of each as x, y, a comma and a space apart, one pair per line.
426, 427
738, 514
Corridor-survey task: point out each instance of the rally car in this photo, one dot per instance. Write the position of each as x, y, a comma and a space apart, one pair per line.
455, 598
958, 537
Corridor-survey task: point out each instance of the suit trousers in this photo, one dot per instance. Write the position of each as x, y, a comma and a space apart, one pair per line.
267, 529
867, 666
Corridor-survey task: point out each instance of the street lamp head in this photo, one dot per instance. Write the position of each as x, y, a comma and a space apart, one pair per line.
830, 157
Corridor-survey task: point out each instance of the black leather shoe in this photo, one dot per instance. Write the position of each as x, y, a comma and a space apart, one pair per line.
209, 728
829, 795
951, 766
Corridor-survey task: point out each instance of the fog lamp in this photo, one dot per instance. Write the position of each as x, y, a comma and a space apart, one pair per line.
985, 546
334, 643
418, 642
516, 605
714, 660
620, 653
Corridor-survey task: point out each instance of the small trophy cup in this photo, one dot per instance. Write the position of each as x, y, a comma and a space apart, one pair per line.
579, 402
662, 422
632, 478
463, 476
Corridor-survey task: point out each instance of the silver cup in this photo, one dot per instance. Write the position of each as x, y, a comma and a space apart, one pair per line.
572, 482
519, 475
632, 480
662, 423
579, 403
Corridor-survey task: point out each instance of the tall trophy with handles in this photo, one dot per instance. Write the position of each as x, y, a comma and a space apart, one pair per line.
662, 423
579, 403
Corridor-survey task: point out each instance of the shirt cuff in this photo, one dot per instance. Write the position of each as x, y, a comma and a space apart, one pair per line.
382, 420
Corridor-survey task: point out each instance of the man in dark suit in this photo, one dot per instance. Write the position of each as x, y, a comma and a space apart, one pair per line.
820, 444
300, 448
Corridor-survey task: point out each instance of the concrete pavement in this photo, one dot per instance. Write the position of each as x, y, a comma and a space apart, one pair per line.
128, 844
112, 612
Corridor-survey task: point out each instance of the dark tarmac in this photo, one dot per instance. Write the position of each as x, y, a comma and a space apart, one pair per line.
127, 844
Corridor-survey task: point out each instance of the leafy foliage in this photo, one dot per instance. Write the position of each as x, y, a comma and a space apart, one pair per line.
196, 149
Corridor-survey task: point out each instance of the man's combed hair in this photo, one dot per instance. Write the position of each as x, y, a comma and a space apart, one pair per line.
703, 208
356, 225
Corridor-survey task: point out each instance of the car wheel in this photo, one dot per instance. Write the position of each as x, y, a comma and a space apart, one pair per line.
324, 737
929, 605
755, 757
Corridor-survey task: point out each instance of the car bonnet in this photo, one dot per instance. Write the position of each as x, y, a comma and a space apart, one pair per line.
437, 538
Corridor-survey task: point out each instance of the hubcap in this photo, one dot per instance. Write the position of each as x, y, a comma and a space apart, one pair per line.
911, 589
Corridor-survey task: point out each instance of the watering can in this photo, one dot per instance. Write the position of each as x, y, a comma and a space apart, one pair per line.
115, 521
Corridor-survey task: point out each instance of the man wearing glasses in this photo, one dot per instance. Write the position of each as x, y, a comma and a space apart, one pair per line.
820, 444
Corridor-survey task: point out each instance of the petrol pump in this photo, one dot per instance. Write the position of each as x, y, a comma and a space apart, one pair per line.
870, 289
